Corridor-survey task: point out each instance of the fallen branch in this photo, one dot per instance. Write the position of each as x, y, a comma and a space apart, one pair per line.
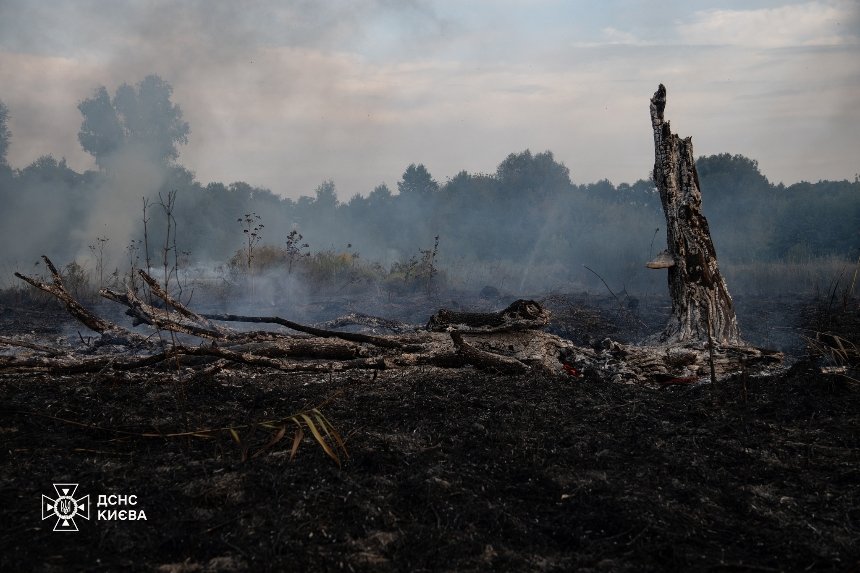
147, 314
77, 365
75, 308
357, 318
483, 359
351, 336
156, 289
23, 344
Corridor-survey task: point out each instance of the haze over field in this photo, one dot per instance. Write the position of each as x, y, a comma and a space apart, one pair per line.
396, 145
283, 95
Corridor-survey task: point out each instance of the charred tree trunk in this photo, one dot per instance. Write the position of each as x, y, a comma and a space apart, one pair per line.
702, 308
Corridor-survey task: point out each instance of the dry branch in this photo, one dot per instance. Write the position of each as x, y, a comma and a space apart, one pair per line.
323, 351
79, 365
23, 344
147, 314
106, 328
74, 308
251, 359
351, 336
156, 289
300, 348
373, 322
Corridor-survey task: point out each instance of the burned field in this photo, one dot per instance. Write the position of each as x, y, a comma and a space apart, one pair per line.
563, 432
444, 468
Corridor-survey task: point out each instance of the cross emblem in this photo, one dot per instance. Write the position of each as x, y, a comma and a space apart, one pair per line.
65, 507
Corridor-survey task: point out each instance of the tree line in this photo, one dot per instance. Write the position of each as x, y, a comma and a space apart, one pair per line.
528, 216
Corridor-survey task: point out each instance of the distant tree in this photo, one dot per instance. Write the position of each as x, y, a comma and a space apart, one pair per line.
725, 176
521, 172
356, 202
241, 190
141, 116
603, 189
417, 182
46, 169
380, 195
736, 195
644, 192
460, 183
5, 134
818, 219
101, 133
326, 195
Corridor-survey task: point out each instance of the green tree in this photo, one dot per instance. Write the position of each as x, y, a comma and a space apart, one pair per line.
818, 219
101, 133
46, 169
326, 196
735, 195
725, 176
141, 116
381, 195
417, 182
524, 172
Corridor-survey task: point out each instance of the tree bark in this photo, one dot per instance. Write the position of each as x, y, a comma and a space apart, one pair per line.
701, 303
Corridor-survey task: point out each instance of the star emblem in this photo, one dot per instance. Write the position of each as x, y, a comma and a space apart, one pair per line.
65, 507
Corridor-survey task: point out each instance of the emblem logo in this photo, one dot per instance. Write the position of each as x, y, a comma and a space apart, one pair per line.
65, 507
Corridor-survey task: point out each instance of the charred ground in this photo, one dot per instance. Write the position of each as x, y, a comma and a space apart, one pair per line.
447, 470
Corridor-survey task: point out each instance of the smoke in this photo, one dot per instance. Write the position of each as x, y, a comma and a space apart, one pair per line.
116, 210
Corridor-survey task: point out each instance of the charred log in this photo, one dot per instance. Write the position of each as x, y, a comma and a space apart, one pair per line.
352, 336
484, 359
520, 315
372, 322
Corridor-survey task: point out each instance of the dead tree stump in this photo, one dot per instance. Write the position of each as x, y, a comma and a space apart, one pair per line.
702, 307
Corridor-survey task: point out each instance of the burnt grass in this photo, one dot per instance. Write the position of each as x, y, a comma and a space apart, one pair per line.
448, 470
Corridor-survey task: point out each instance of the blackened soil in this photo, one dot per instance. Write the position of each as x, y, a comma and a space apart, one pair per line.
447, 471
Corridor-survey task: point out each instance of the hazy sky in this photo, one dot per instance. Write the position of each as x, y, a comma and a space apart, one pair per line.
286, 94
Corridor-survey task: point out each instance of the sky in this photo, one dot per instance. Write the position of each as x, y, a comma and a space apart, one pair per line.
287, 94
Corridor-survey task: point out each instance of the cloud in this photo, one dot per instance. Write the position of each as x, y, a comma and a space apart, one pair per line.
792, 25
615, 36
